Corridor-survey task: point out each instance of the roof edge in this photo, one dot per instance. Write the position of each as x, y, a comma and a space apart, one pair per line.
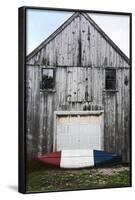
53, 35
106, 37
66, 23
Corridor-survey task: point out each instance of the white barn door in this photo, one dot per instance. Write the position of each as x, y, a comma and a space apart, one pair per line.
79, 132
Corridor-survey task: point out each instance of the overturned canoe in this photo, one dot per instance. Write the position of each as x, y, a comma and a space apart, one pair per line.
79, 158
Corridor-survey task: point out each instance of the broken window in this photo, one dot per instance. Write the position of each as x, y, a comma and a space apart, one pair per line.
48, 81
110, 79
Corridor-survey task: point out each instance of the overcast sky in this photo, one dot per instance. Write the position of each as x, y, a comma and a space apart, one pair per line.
41, 23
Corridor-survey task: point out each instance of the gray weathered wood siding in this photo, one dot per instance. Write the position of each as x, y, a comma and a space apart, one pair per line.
78, 44
80, 54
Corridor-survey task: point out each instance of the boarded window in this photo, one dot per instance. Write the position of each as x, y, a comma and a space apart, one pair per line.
110, 78
47, 81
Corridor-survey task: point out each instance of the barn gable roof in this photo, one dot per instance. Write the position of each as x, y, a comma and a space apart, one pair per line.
66, 23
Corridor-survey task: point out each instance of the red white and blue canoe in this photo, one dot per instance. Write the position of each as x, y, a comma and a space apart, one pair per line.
79, 158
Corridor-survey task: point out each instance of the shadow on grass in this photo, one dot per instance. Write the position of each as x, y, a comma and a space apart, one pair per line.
41, 178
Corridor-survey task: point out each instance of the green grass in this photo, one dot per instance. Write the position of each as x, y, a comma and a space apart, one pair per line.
41, 179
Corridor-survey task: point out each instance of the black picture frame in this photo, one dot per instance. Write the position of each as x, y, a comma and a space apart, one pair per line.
22, 155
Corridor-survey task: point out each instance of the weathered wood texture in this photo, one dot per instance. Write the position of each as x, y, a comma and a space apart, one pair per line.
80, 54
78, 44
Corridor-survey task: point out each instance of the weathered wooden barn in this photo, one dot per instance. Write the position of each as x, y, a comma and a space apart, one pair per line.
78, 91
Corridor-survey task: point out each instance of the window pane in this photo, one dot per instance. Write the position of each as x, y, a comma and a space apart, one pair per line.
111, 79
48, 72
47, 79
110, 85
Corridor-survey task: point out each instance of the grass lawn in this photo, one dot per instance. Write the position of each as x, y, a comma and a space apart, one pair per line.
41, 179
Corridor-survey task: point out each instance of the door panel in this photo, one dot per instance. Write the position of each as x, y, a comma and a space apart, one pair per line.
80, 132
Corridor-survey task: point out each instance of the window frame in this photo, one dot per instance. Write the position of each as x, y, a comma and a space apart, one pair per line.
114, 80
41, 79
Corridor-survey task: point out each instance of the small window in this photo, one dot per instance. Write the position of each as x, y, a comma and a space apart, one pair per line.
110, 78
47, 81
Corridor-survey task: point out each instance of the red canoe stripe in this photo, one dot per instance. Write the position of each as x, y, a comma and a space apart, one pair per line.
51, 159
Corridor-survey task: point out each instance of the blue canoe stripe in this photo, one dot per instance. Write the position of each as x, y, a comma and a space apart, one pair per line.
103, 157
